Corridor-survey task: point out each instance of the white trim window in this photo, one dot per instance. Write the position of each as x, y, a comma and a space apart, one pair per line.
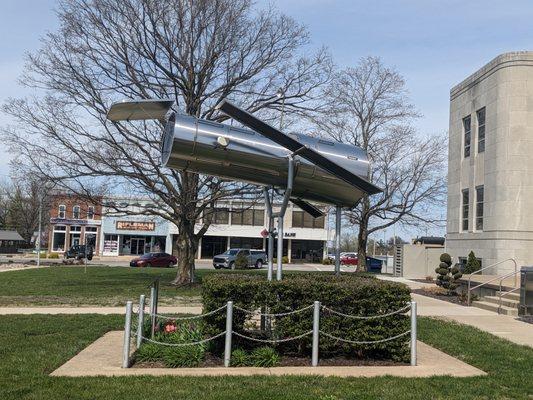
90, 212
61, 211
464, 211
467, 128
76, 212
480, 194
58, 238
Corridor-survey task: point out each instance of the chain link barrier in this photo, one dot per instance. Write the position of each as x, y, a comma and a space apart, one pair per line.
401, 310
168, 317
364, 341
273, 315
273, 341
184, 344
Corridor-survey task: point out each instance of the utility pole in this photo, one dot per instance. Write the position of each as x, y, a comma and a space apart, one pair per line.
40, 229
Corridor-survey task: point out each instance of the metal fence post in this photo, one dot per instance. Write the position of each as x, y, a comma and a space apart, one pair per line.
229, 331
413, 333
152, 311
140, 324
127, 337
316, 333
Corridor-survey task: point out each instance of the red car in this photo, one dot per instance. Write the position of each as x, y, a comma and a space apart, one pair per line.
154, 260
348, 259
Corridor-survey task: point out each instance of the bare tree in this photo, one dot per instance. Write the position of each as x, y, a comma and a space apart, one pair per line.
370, 109
19, 206
195, 52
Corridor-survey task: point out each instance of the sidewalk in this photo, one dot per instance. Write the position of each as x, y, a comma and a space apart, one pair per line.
499, 325
94, 310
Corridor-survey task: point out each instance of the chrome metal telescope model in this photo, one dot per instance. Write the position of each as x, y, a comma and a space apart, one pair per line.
306, 168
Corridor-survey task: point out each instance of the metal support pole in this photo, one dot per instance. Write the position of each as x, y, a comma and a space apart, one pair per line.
229, 332
39, 235
413, 333
140, 324
268, 206
316, 333
279, 272
127, 337
152, 311
338, 240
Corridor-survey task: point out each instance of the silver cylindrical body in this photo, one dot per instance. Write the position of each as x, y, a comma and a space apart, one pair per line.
191, 144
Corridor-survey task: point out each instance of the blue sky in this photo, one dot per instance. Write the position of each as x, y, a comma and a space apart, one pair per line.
433, 43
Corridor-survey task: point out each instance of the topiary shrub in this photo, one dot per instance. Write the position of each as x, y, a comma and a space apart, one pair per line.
472, 264
349, 294
447, 275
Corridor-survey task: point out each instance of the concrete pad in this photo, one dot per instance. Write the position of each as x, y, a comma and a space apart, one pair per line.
103, 358
193, 309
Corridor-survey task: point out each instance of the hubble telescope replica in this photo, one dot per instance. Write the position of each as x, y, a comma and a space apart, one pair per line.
307, 169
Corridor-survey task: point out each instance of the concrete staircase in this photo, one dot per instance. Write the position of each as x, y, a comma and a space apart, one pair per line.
509, 304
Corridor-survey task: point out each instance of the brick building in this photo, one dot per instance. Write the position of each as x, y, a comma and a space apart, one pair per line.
73, 220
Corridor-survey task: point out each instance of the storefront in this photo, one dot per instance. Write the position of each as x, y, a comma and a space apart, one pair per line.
133, 235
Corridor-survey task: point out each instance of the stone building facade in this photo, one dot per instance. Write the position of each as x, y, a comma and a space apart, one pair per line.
490, 172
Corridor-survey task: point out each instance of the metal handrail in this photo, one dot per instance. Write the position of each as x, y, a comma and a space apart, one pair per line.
484, 283
509, 291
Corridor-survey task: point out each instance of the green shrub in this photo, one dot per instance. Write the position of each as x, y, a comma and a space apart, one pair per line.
446, 274
241, 261
446, 258
284, 260
149, 352
184, 357
349, 293
472, 264
264, 357
327, 261
53, 256
239, 358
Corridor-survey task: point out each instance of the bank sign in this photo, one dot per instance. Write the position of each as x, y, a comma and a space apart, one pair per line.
135, 226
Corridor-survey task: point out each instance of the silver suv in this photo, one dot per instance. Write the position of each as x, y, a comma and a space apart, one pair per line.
255, 258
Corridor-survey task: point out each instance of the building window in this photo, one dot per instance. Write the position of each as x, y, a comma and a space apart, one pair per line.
248, 217
61, 211
58, 238
90, 212
464, 216
481, 130
76, 212
301, 219
479, 207
467, 127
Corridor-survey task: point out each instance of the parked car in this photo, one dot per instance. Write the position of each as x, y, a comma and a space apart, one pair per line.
256, 258
79, 252
349, 258
154, 260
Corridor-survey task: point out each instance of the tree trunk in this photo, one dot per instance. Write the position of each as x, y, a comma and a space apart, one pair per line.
362, 241
187, 244
362, 237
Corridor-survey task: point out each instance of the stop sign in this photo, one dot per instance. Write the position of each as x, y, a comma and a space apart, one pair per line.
264, 233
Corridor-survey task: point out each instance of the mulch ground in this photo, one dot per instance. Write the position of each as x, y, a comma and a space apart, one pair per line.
212, 361
455, 299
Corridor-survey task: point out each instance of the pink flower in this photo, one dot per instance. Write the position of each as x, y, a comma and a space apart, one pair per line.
169, 328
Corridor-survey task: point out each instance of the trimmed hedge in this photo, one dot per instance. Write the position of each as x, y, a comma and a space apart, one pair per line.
349, 294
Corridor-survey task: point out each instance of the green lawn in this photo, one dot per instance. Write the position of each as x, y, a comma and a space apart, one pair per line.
33, 346
99, 286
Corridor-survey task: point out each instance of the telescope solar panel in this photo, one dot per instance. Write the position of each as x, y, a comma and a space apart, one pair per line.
296, 147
